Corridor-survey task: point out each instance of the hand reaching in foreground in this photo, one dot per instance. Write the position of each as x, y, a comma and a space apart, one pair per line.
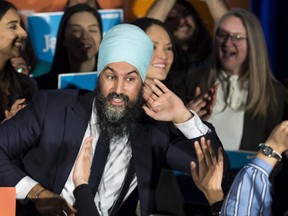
17, 105
49, 203
203, 104
208, 176
83, 161
162, 104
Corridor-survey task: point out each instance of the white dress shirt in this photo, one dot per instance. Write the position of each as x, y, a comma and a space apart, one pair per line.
228, 116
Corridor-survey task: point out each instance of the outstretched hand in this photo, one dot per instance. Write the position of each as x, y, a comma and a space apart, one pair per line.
162, 104
203, 104
208, 175
83, 161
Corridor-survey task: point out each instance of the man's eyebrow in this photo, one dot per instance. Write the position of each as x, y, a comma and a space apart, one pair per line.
109, 68
133, 71
114, 71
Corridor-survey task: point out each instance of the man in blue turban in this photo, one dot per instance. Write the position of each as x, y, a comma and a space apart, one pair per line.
124, 58
128, 147
126, 43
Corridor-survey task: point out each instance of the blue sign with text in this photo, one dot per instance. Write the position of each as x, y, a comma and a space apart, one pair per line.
43, 28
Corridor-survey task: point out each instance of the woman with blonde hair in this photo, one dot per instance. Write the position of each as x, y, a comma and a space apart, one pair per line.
250, 101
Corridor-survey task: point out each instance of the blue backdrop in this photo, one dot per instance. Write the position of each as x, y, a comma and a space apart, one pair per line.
273, 15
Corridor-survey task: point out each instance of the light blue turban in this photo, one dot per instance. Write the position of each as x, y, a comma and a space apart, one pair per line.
126, 43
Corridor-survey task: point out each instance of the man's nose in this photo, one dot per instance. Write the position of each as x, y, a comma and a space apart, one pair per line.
119, 86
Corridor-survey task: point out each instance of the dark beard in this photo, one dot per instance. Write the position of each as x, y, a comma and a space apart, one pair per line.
116, 122
190, 41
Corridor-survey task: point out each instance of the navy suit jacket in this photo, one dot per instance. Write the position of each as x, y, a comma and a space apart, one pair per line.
45, 138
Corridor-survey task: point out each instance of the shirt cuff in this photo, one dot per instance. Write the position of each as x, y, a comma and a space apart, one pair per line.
24, 186
263, 164
216, 207
193, 128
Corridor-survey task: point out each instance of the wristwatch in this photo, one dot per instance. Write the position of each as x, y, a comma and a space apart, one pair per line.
269, 151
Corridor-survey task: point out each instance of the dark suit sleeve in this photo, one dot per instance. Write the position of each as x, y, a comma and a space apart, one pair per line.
84, 201
182, 152
18, 135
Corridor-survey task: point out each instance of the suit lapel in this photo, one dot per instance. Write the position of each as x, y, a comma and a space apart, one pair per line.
75, 126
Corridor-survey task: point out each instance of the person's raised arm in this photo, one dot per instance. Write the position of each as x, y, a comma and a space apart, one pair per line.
255, 177
278, 141
217, 8
160, 9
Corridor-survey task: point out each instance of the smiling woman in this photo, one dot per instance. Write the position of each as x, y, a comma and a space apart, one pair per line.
12, 36
78, 39
250, 101
15, 89
162, 66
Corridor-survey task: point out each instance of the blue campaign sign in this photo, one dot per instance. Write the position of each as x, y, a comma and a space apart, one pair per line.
77, 80
110, 18
43, 28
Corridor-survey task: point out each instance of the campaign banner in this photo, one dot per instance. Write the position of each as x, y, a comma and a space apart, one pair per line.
77, 81
43, 28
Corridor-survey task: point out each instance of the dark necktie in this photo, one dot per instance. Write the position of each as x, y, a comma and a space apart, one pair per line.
98, 163
125, 188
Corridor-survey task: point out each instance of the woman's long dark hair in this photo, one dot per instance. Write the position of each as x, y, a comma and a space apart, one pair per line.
60, 61
12, 84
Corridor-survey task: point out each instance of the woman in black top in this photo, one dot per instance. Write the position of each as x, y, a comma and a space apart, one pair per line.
16, 89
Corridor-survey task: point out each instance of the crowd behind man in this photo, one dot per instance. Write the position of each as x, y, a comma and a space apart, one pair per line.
127, 110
